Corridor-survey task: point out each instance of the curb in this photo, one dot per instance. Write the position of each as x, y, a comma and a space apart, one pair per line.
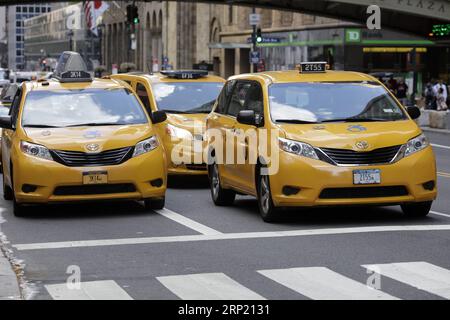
428, 129
9, 286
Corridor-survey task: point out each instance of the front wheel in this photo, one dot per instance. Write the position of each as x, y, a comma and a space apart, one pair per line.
267, 209
19, 209
415, 210
220, 196
7, 191
155, 204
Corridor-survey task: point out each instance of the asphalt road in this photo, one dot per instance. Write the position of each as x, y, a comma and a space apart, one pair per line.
194, 250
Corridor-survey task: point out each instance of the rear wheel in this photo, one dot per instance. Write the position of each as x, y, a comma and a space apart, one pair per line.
419, 209
155, 204
220, 196
267, 209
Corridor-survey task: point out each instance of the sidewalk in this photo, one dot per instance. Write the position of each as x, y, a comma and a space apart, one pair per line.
9, 287
428, 129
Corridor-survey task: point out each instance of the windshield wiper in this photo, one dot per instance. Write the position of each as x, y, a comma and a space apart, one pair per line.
39, 126
174, 111
356, 120
295, 121
96, 124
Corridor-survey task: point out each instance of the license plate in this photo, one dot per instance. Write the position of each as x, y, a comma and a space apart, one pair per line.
100, 177
367, 176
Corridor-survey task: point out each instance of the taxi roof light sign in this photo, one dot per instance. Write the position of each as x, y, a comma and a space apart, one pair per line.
72, 68
313, 67
185, 74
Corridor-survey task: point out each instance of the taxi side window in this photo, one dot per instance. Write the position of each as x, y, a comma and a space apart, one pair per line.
224, 97
14, 110
247, 95
143, 95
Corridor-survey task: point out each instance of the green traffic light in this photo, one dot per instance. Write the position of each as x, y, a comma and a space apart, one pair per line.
259, 39
136, 20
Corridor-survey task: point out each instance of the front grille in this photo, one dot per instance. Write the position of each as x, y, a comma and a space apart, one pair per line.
94, 189
350, 157
196, 167
363, 192
83, 159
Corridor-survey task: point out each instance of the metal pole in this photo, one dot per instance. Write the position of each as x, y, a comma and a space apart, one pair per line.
254, 48
415, 75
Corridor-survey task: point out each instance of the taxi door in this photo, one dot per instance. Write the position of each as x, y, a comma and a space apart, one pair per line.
247, 95
221, 121
8, 136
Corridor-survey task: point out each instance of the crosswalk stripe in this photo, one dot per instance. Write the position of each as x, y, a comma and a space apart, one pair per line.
189, 223
320, 283
440, 146
422, 275
208, 286
93, 290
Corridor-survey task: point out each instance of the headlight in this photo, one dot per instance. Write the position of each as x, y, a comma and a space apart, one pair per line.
145, 146
298, 148
178, 133
35, 150
416, 144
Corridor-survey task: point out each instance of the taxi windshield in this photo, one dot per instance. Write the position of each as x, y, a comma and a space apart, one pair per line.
86, 107
332, 102
186, 97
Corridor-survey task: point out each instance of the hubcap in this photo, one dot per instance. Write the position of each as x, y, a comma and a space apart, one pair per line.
215, 181
265, 193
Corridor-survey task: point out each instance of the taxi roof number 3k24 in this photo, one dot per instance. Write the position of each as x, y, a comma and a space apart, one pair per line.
75, 138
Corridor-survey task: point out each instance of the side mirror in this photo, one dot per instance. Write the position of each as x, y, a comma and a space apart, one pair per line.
414, 112
5, 122
158, 116
248, 117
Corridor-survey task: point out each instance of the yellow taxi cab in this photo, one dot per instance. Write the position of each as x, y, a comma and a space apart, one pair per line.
74, 138
335, 138
186, 97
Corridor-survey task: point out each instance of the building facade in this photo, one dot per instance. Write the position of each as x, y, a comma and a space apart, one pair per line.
48, 34
15, 17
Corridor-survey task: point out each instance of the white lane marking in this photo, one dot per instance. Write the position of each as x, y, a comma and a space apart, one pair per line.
440, 146
191, 224
320, 283
226, 236
94, 290
440, 214
208, 286
422, 275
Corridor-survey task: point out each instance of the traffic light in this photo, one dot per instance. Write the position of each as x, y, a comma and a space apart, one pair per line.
132, 14
259, 37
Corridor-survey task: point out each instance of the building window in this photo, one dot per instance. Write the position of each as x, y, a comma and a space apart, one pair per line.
38, 9
18, 9
18, 24
230, 14
31, 9
25, 9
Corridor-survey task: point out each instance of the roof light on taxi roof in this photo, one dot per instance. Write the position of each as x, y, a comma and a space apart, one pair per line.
71, 68
185, 74
314, 67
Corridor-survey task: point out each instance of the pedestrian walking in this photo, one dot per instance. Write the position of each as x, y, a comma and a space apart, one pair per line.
437, 87
402, 91
441, 100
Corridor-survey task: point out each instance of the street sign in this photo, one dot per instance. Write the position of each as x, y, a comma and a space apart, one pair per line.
254, 19
255, 57
266, 40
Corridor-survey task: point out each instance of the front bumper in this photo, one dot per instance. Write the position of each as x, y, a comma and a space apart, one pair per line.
47, 176
311, 177
190, 162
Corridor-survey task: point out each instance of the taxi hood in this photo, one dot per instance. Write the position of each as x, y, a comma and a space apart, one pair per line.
188, 121
76, 138
346, 135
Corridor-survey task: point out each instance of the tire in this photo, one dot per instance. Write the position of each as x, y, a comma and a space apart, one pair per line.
417, 210
155, 204
220, 196
19, 210
7, 191
267, 210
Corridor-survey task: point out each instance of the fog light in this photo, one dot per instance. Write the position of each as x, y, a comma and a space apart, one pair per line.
157, 183
429, 185
28, 188
290, 191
